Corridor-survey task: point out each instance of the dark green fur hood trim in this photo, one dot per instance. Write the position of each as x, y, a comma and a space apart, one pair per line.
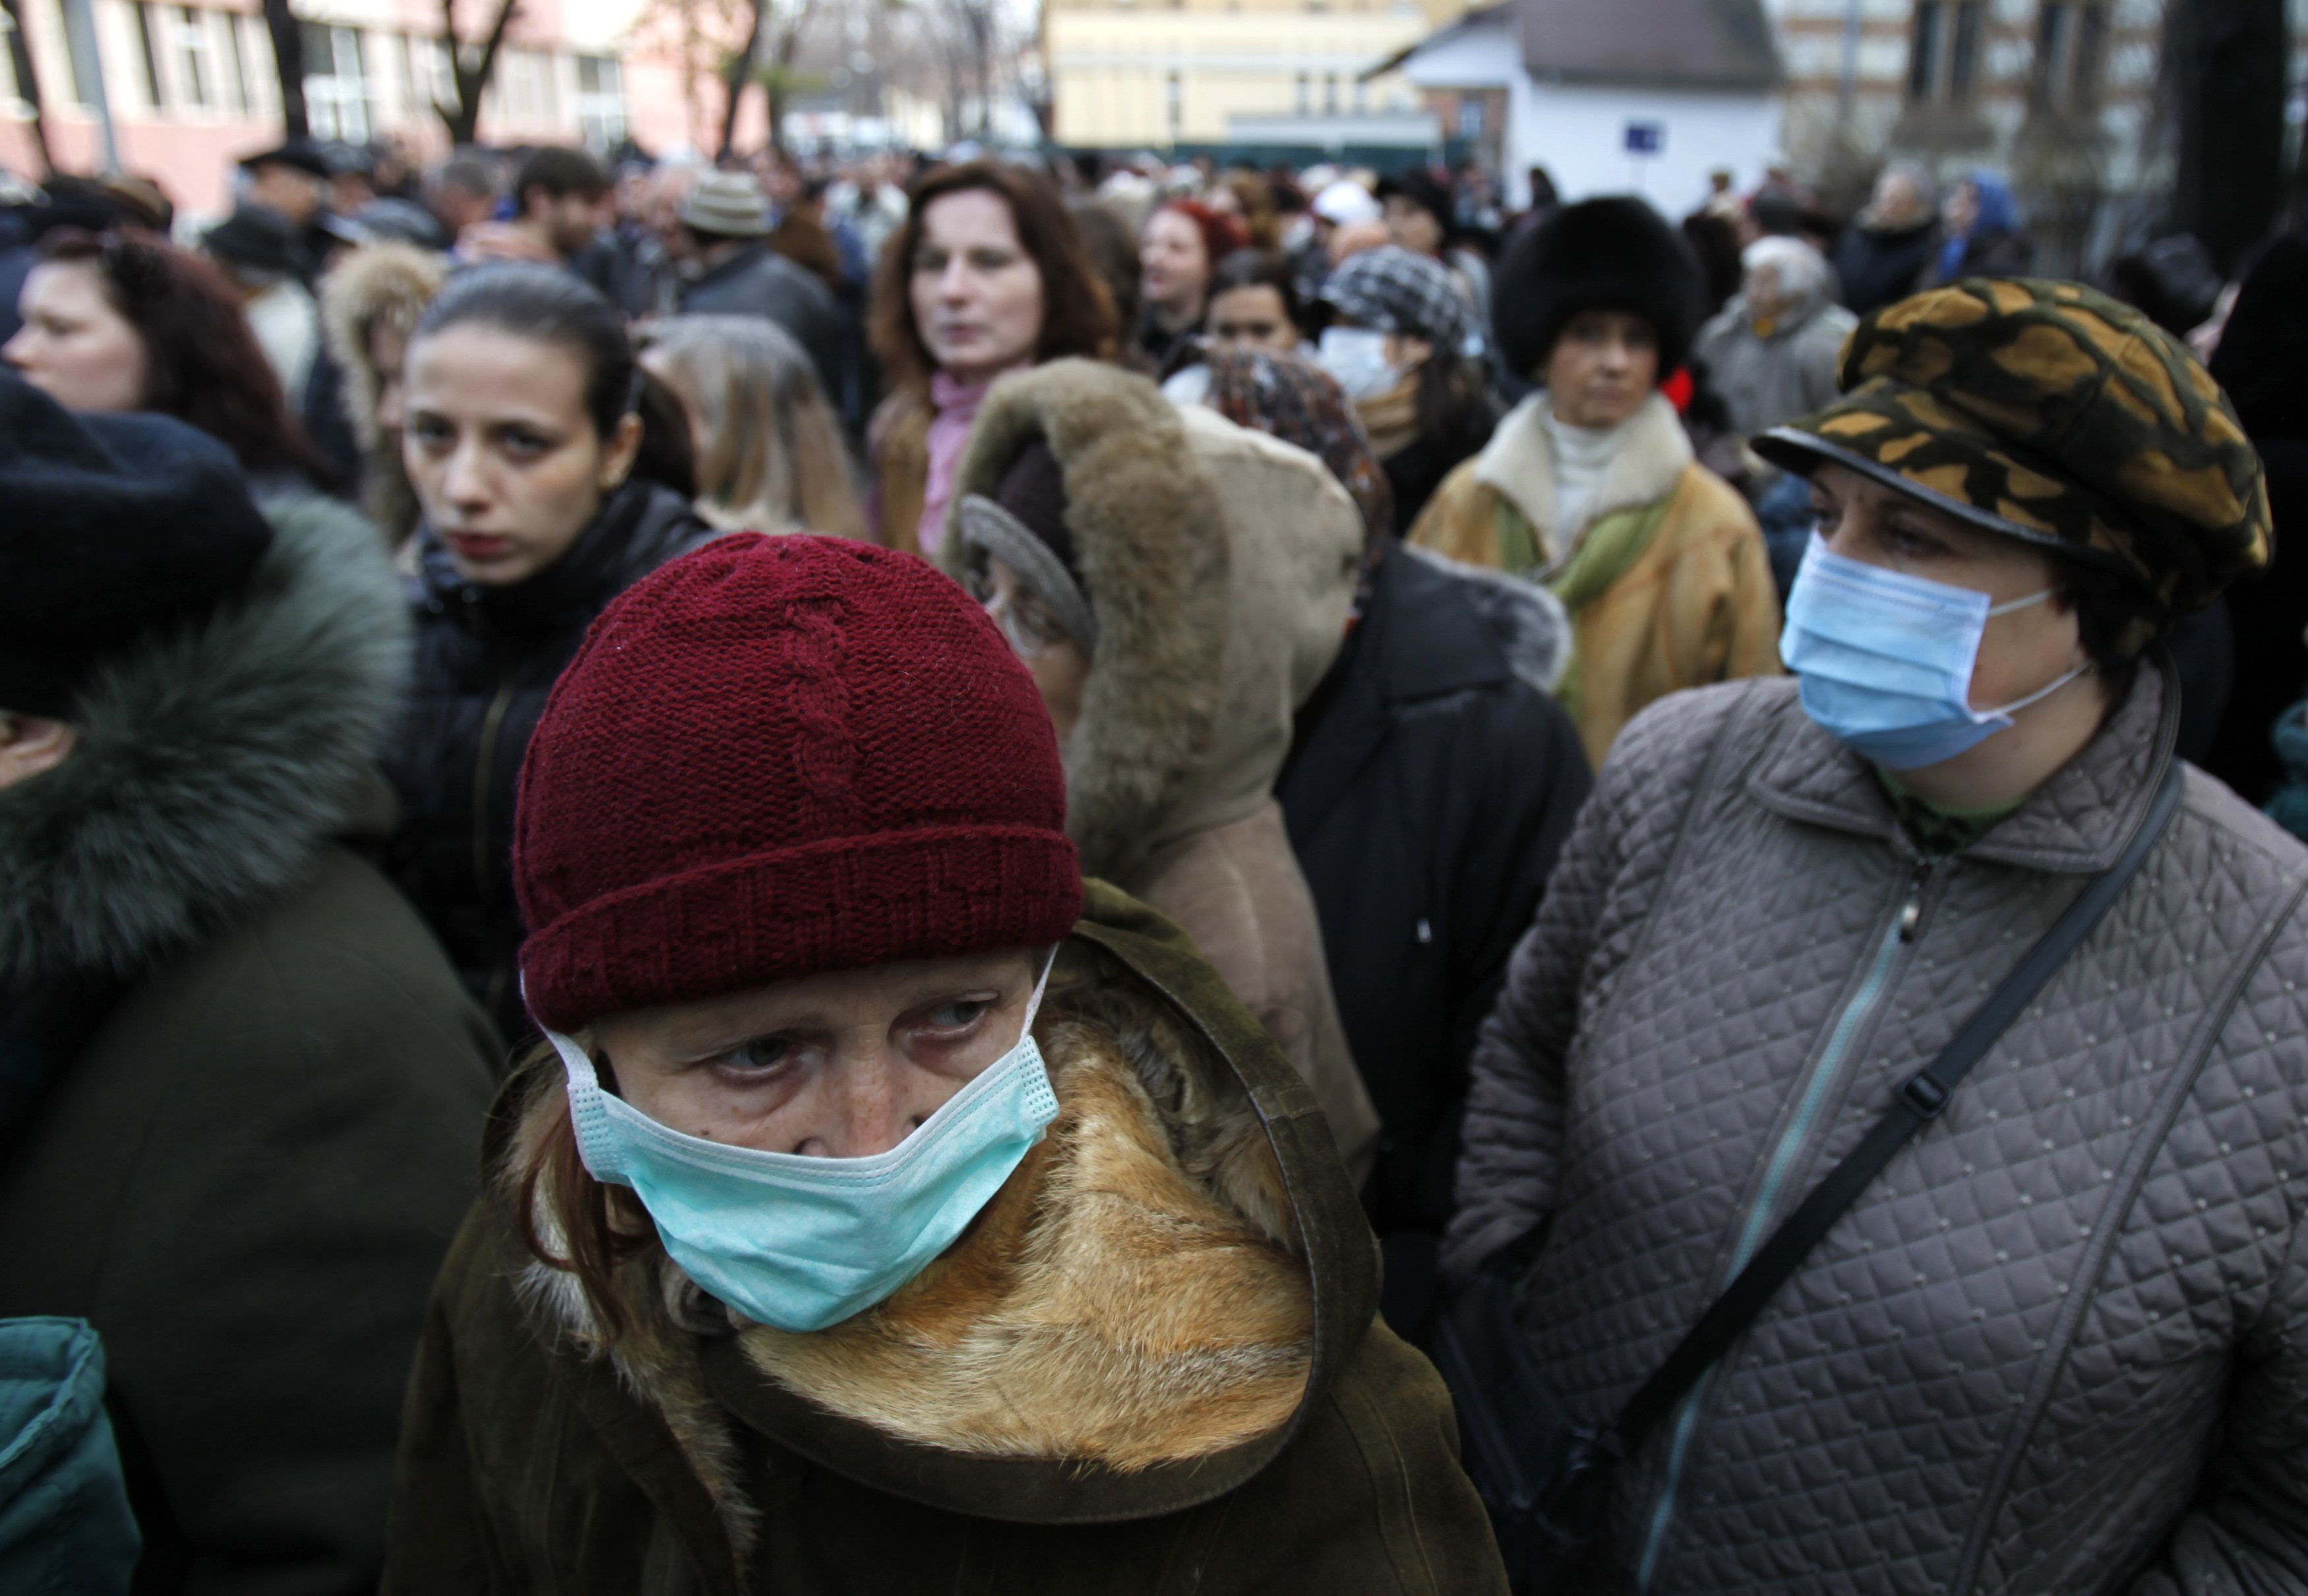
212, 763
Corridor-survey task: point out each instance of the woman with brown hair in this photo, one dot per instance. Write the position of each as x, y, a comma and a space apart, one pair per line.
769, 454
987, 274
127, 321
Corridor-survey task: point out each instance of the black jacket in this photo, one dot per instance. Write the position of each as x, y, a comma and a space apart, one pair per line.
1878, 268
756, 281
485, 659
1431, 782
249, 1091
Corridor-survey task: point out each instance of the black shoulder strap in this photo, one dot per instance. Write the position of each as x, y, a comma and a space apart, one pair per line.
1919, 1102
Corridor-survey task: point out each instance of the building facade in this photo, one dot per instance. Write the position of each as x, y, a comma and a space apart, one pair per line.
192, 86
1156, 74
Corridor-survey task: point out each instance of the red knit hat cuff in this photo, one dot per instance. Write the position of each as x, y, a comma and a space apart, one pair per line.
846, 902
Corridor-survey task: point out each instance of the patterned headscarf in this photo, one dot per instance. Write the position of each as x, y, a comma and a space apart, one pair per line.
2051, 414
1300, 403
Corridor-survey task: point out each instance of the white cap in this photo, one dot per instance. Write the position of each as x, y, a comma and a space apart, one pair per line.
1345, 202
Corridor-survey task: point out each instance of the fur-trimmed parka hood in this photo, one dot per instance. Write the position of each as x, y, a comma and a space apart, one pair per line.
1138, 1322
387, 284
212, 762
1221, 563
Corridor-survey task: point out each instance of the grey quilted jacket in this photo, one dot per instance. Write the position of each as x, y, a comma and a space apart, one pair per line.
2062, 1344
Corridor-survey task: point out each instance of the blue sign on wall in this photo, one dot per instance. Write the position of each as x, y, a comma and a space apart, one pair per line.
1646, 138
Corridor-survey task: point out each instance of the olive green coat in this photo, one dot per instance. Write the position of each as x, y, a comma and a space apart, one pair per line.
527, 1465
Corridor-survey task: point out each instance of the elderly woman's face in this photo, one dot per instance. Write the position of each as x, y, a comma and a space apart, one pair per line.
843, 1065
2022, 650
1058, 665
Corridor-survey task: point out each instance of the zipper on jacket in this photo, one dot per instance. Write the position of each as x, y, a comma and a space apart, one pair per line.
484, 771
1755, 1232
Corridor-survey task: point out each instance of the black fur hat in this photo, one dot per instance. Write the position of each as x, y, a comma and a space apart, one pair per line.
1610, 254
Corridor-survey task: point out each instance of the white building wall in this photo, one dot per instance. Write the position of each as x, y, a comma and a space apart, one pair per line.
1578, 133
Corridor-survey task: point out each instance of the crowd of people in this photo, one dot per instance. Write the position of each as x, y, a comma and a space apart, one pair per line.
892, 875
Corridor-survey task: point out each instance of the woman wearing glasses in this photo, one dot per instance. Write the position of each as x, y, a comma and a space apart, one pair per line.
1108, 533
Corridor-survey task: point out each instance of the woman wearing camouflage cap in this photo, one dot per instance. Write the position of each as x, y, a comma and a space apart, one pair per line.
2060, 1340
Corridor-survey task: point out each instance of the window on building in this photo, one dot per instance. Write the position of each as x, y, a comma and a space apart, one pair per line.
1330, 94
191, 54
1174, 108
1943, 49
337, 90
600, 102
232, 63
523, 89
2070, 55
149, 56
1471, 118
83, 70
1305, 94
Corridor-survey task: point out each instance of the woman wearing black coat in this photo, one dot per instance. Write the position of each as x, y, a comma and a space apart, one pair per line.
1430, 784
545, 496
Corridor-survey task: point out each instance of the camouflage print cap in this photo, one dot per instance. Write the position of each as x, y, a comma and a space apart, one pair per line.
2050, 413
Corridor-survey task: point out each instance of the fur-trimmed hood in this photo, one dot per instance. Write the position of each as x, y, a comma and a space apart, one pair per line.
1221, 562
390, 285
212, 762
1140, 1320
1519, 462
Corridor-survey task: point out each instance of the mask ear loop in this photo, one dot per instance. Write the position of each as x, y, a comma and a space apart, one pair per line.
1034, 1003
2021, 604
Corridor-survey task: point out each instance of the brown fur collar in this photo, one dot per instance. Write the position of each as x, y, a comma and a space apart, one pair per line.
1152, 540
1135, 1294
389, 285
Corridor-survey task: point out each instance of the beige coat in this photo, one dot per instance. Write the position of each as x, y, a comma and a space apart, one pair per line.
1221, 564
1681, 595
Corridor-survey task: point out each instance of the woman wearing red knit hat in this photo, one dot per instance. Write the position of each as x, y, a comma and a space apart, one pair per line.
891, 1210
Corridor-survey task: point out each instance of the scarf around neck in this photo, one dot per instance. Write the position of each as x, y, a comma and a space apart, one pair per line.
954, 405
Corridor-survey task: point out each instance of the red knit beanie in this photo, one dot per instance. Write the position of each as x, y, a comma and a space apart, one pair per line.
780, 756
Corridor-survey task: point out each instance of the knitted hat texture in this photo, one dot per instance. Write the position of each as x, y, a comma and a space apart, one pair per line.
777, 757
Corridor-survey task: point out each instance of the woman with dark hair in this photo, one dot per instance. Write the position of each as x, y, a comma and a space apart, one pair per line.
1409, 351
125, 321
1179, 249
552, 476
1255, 303
987, 274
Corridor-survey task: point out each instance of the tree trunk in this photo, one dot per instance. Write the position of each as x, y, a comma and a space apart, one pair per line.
2226, 61
289, 61
27, 83
741, 73
470, 74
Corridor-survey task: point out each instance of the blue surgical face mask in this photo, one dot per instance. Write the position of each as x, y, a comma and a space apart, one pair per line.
802, 1243
1886, 659
1356, 357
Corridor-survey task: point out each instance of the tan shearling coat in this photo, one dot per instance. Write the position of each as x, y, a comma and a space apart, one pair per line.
1221, 564
1695, 605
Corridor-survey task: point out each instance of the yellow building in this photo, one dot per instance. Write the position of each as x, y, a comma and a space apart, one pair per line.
1150, 74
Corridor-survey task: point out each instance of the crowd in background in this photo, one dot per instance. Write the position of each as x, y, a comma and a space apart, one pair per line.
1344, 523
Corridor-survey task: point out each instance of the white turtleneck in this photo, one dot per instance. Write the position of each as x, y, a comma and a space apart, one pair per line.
1583, 454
